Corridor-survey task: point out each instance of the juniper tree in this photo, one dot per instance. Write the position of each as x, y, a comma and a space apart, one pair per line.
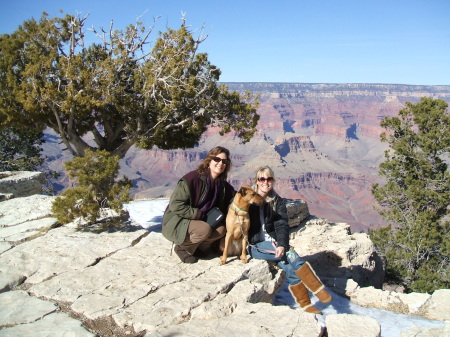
119, 90
416, 195
95, 188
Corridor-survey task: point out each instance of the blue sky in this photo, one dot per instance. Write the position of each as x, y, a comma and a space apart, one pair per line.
304, 41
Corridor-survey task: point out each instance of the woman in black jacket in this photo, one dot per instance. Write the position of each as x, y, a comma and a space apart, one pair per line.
269, 240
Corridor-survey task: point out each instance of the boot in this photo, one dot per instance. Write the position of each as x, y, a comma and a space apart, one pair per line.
300, 293
184, 255
312, 282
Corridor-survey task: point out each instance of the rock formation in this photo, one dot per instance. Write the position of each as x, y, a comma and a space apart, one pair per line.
351, 326
125, 282
338, 255
20, 184
435, 306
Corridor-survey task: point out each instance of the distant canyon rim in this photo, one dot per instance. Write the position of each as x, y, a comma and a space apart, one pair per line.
321, 140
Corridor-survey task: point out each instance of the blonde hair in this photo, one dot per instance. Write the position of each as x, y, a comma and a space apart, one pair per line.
264, 171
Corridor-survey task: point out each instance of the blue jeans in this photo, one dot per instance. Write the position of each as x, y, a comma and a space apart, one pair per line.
259, 251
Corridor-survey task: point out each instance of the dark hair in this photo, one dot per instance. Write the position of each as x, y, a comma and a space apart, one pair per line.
203, 168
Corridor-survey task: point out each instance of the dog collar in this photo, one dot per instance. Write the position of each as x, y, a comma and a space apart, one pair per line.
238, 209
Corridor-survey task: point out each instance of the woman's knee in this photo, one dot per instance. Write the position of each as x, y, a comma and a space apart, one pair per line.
221, 231
199, 231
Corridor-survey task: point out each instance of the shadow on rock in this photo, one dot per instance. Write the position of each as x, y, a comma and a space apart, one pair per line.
328, 267
110, 226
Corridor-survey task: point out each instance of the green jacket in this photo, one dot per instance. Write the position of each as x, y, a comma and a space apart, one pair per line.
183, 203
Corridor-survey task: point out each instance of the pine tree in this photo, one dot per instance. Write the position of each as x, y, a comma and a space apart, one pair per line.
415, 197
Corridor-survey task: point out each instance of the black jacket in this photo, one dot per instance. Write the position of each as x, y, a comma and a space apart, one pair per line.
276, 219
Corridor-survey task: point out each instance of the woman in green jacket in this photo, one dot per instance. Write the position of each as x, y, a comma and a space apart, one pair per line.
196, 193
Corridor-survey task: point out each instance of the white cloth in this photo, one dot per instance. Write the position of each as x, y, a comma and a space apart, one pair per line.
263, 236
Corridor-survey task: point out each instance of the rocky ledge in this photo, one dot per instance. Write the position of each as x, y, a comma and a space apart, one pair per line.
20, 183
69, 280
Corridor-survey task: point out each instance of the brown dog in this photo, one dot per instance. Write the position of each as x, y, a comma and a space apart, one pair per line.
238, 222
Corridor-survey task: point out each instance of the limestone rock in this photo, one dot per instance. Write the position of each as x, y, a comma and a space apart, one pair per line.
435, 306
347, 325
438, 306
21, 183
5, 196
248, 320
18, 211
416, 331
382, 299
337, 255
130, 278
59, 251
127, 282
24, 315
18, 308
297, 211
56, 324
4, 246
27, 230
9, 280
146, 287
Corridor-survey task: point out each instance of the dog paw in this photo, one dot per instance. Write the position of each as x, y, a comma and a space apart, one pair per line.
222, 261
244, 259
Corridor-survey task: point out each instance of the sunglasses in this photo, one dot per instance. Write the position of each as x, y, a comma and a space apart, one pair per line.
262, 179
218, 159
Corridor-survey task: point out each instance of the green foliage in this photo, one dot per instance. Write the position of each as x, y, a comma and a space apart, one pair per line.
416, 196
95, 174
118, 90
20, 149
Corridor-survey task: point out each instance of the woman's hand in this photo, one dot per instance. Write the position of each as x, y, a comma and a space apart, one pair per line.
279, 251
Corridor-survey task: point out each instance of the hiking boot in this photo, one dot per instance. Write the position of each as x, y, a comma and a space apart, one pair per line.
184, 255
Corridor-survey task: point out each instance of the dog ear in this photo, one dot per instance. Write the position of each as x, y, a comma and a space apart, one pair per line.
243, 191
